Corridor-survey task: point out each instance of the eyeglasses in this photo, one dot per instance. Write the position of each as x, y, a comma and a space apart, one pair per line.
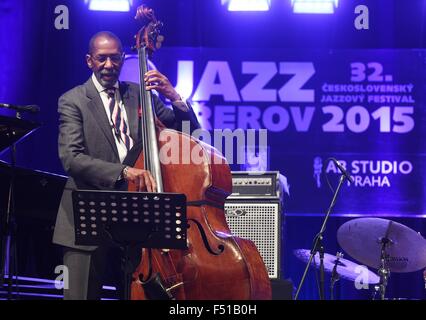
115, 58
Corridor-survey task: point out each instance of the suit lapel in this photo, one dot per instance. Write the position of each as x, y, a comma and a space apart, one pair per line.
131, 103
97, 108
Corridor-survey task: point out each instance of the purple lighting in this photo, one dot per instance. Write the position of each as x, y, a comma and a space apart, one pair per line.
109, 5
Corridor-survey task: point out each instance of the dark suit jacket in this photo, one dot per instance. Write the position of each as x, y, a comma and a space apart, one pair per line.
87, 148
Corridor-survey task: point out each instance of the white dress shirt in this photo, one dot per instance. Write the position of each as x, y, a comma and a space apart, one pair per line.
121, 146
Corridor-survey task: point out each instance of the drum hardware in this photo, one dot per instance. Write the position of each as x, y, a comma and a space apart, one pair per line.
385, 245
334, 274
338, 267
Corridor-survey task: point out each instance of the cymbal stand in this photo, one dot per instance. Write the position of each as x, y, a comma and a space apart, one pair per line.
335, 275
384, 271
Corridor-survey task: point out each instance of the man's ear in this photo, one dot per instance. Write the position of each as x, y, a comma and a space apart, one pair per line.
89, 61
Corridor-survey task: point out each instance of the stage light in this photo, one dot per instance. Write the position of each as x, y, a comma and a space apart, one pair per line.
247, 5
314, 6
109, 5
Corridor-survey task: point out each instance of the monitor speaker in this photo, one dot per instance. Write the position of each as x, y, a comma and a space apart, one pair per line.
260, 222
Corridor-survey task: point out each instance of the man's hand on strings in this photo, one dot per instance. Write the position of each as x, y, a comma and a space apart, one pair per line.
157, 81
143, 179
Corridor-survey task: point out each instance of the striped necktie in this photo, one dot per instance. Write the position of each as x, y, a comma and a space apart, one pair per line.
120, 126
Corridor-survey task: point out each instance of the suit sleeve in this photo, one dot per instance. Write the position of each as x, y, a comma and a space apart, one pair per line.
72, 150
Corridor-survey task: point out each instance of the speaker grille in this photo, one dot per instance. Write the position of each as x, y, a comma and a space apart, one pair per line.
260, 223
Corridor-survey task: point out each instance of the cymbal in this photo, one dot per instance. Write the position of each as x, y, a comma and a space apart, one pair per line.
345, 268
361, 239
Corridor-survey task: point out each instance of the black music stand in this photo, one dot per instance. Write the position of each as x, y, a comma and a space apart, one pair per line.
130, 219
11, 131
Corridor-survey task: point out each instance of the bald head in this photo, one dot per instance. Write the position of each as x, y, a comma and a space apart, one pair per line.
101, 37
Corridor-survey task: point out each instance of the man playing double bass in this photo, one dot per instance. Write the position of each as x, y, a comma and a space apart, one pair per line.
98, 126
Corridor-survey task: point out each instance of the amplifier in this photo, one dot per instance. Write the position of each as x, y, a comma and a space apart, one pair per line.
255, 184
260, 222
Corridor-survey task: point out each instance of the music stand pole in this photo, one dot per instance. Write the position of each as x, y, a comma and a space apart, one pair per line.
318, 246
127, 271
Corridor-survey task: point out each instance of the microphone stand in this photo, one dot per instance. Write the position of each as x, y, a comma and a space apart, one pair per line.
318, 246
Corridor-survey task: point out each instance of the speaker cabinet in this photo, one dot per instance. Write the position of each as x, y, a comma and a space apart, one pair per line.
260, 222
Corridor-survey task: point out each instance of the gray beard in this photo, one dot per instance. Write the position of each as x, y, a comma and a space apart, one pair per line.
106, 84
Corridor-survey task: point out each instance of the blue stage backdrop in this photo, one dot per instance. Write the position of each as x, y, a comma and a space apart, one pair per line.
363, 107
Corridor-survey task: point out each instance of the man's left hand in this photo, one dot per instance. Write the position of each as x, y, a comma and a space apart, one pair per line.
157, 81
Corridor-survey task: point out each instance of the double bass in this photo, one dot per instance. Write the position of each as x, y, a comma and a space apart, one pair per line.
216, 264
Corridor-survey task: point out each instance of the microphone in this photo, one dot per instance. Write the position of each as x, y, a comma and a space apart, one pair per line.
31, 108
343, 171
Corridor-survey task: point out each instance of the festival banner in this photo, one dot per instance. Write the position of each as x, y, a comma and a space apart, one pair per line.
366, 108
